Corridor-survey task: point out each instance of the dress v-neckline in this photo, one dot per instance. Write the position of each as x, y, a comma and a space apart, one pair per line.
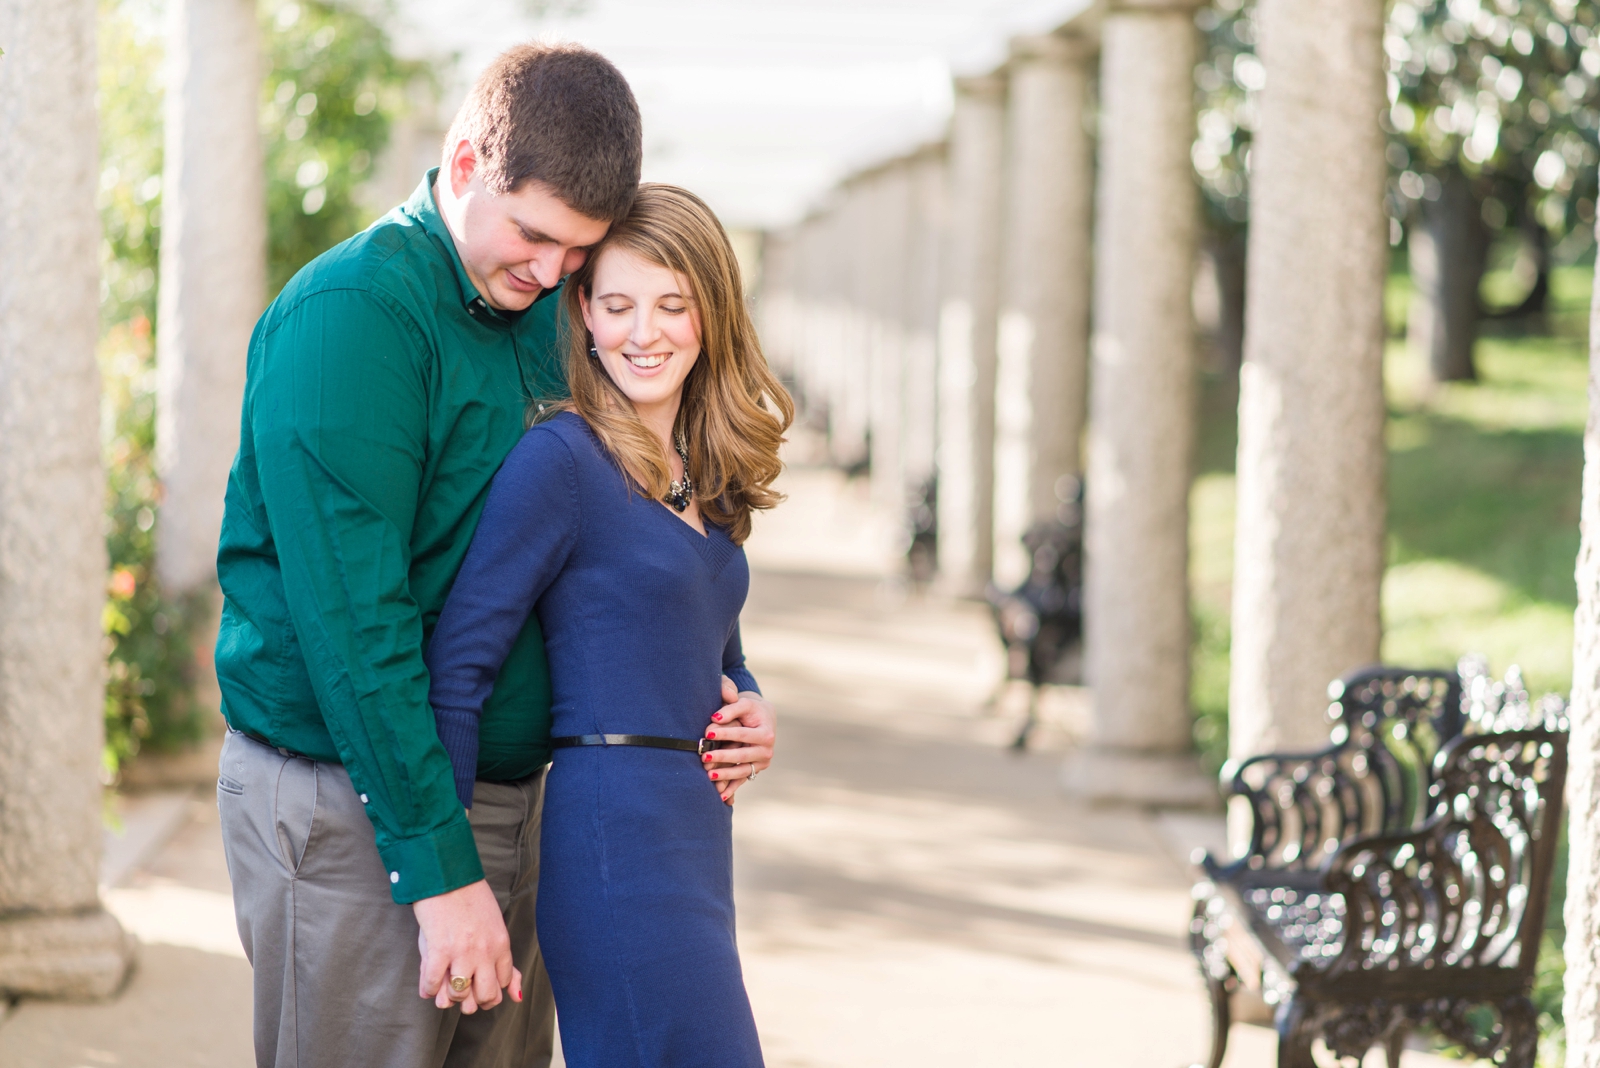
679, 517
714, 546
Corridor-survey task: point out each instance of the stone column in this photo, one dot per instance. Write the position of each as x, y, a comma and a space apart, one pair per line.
885, 250
1043, 339
850, 357
55, 939
213, 284
1582, 999
967, 317
1308, 557
1141, 415
822, 334
921, 314
776, 304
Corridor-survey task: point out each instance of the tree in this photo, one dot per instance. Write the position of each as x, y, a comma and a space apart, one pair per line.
334, 89
149, 695
347, 87
1227, 79
1493, 121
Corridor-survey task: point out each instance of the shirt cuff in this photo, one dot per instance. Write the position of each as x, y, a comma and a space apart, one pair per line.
432, 864
743, 679
458, 731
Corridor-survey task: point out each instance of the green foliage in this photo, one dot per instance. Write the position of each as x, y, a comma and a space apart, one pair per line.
1227, 79
335, 86
1483, 532
1504, 89
149, 693
149, 679
130, 93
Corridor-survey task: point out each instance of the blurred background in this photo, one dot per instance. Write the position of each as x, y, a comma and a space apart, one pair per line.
921, 882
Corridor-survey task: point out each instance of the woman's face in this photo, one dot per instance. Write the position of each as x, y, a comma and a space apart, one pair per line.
646, 328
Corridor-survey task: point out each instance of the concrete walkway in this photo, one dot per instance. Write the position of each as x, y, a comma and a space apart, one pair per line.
910, 892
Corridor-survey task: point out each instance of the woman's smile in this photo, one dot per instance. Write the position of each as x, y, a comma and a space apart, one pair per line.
646, 362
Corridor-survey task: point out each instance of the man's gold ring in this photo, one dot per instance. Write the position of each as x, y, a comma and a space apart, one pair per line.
459, 983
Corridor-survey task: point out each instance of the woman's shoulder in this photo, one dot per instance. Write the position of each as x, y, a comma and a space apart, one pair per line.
562, 442
564, 432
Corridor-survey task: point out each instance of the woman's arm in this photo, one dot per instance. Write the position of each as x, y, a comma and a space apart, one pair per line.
527, 531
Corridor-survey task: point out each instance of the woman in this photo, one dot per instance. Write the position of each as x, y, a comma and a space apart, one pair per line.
619, 521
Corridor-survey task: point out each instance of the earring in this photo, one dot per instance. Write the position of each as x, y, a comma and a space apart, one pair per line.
594, 353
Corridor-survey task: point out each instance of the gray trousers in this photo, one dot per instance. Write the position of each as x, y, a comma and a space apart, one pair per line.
335, 959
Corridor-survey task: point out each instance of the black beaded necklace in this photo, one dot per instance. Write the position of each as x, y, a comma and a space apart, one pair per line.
681, 494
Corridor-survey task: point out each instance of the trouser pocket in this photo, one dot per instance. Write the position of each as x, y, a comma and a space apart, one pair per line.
295, 810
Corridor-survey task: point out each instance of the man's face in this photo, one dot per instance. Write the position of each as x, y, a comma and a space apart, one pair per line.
514, 245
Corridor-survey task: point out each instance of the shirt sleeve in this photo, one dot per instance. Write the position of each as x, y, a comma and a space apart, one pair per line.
339, 419
733, 664
527, 531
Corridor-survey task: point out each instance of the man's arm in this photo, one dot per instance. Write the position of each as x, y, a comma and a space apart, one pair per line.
339, 415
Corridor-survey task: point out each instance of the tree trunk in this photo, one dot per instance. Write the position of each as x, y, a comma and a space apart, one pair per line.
1534, 258
1449, 251
1227, 248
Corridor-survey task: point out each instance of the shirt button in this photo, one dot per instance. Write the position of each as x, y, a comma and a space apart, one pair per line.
394, 877
363, 799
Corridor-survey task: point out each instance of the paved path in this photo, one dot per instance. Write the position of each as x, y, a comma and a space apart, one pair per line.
910, 892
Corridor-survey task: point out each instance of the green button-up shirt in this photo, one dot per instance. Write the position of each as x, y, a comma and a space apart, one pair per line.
382, 394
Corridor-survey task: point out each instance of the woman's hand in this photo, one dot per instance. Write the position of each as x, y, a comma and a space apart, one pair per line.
750, 720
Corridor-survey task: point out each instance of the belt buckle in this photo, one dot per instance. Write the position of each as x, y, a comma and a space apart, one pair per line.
706, 745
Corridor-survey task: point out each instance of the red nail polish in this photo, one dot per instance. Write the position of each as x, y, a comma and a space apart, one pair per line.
713, 775
717, 716
711, 734
707, 758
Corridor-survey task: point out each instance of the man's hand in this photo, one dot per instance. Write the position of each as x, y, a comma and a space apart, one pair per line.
746, 718
463, 933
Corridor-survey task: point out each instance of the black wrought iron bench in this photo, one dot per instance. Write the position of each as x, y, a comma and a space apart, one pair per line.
1397, 879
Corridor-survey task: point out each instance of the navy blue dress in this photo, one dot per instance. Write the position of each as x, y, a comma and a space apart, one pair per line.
641, 619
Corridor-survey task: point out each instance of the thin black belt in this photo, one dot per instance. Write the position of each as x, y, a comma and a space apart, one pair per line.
280, 749
701, 746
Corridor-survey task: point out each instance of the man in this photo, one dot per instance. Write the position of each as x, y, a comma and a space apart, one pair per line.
385, 386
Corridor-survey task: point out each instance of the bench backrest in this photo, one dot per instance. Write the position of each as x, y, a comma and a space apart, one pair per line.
1468, 889
1373, 778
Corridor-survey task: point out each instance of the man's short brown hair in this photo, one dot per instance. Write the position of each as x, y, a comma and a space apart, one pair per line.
559, 115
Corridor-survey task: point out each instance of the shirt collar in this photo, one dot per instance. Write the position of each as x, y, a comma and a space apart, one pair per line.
424, 207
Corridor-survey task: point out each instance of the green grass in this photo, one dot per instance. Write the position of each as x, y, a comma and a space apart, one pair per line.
1483, 494
1483, 484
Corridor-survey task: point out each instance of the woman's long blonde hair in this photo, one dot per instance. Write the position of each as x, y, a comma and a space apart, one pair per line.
734, 411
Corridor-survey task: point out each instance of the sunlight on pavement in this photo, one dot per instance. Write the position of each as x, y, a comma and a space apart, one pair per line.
166, 913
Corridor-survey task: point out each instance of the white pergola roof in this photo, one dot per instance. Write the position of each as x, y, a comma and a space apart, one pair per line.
758, 105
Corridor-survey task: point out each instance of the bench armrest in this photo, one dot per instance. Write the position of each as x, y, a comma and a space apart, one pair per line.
1299, 805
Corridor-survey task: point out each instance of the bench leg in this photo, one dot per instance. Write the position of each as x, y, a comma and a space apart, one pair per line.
1393, 1045
1295, 1037
1520, 1019
1221, 1020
